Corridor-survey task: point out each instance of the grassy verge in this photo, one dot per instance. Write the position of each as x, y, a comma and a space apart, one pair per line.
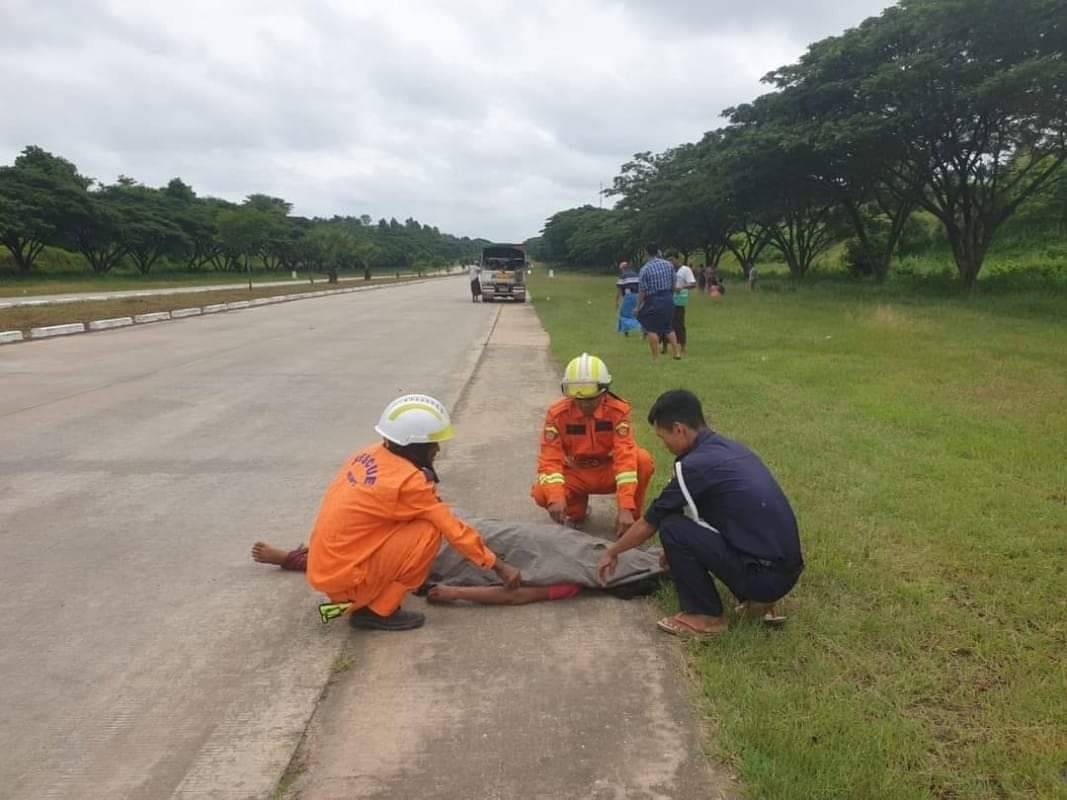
25, 317
41, 283
921, 440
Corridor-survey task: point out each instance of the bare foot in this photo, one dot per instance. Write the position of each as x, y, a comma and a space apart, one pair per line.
441, 594
263, 553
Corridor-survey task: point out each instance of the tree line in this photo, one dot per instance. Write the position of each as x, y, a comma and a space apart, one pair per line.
953, 108
46, 202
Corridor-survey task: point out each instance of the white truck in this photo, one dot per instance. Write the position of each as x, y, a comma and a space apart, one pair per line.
503, 272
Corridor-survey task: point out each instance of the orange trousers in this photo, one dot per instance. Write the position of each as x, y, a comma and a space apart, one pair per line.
399, 566
580, 483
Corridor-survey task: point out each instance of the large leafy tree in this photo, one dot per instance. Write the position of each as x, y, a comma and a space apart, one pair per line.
241, 232
149, 223
668, 198
41, 197
98, 234
601, 238
587, 236
767, 180
850, 154
45, 201
975, 93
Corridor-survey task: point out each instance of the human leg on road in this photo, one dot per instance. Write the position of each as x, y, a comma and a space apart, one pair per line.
499, 596
295, 559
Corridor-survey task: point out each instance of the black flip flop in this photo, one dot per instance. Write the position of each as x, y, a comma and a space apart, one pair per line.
399, 620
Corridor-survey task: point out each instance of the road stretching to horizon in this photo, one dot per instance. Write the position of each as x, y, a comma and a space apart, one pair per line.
141, 646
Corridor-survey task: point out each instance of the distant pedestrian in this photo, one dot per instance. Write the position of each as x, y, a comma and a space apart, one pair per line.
684, 280
655, 303
714, 282
474, 271
627, 287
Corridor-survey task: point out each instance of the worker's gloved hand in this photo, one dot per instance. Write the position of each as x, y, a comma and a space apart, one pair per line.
509, 575
558, 512
623, 522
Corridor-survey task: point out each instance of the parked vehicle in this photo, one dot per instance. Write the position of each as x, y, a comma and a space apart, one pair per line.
503, 275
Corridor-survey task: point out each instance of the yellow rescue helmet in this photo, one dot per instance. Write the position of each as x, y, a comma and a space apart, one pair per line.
585, 377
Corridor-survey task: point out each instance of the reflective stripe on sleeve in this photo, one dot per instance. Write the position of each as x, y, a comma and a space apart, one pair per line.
551, 477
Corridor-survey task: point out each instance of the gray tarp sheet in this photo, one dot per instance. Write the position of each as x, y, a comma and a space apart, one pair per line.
544, 553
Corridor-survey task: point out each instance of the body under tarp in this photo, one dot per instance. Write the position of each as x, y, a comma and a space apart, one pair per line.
546, 554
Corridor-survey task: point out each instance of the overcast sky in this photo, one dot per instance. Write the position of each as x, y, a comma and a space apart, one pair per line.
482, 117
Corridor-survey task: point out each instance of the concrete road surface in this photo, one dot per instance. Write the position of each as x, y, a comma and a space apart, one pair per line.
581, 699
142, 654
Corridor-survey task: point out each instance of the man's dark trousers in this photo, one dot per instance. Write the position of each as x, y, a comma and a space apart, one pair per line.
694, 551
678, 324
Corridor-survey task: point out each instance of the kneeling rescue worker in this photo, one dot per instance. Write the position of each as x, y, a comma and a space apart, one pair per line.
381, 521
587, 447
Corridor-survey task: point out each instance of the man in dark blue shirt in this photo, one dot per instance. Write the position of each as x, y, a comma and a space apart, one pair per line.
723, 515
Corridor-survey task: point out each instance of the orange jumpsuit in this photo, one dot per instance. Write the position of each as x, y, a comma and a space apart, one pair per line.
583, 455
379, 530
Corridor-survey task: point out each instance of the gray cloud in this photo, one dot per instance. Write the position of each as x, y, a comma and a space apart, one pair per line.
479, 117
802, 20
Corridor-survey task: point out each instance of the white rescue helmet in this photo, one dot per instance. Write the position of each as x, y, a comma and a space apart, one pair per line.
586, 377
415, 419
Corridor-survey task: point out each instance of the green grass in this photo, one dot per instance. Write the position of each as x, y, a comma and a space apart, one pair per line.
293, 773
71, 282
341, 664
921, 436
26, 317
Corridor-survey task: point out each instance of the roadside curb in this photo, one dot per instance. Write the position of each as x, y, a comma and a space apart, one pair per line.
108, 324
456, 403
48, 331
68, 329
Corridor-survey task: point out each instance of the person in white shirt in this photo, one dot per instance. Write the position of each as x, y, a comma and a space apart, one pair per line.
684, 280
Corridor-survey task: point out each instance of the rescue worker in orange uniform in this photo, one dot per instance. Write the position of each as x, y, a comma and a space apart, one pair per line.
381, 521
587, 447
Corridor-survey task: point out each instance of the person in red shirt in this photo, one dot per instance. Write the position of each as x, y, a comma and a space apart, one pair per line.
381, 521
587, 447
